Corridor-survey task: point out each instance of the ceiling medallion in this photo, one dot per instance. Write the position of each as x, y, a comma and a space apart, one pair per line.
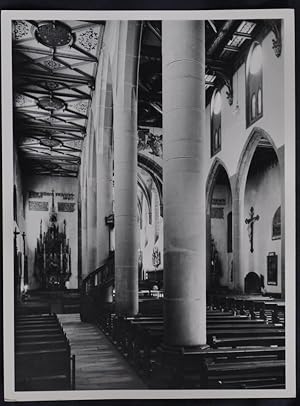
54, 34
52, 64
50, 142
51, 85
51, 103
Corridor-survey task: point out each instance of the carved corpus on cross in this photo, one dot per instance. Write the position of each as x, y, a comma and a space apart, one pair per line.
250, 221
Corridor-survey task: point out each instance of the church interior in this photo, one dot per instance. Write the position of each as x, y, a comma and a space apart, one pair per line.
148, 204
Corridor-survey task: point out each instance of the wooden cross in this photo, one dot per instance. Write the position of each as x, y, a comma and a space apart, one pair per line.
251, 221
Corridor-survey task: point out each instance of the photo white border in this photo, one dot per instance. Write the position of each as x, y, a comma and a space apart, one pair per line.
7, 178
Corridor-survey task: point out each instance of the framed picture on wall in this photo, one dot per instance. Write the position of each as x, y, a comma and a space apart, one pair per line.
272, 268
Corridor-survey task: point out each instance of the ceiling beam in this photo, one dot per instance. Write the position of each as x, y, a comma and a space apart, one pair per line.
154, 30
54, 128
61, 78
224, 34
59, 54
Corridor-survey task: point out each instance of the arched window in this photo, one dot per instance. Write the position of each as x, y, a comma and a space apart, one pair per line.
259, 101
276, 224
215, 122
229, 232
253, 106
254, 109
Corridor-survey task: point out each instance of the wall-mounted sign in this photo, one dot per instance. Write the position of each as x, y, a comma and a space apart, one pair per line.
39, 195
218, 202
217, 213
66, 207
66, 196
38, 206
272, 268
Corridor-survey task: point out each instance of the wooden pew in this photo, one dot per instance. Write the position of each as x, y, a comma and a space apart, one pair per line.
42, 354
31, 366
211, 368
41, 345
254, 374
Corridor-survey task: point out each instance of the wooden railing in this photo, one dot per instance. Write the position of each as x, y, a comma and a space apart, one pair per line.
93, 287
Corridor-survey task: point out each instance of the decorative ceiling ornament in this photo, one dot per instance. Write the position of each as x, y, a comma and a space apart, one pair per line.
51, 103
54, 34
20, 100
52, 64
21, 29
277, 41
227, 81
51, 85
50, 142
81, 107
73, 144
88, 39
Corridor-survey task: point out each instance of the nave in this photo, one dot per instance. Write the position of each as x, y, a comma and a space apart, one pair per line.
149, 185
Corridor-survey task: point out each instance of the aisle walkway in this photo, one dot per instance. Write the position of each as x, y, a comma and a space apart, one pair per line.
99, 365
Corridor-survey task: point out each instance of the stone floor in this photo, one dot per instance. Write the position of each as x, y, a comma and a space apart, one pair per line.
99, 365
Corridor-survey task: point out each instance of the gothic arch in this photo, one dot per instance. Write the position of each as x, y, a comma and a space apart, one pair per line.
155, 171
211, 179
256, 135
216, 166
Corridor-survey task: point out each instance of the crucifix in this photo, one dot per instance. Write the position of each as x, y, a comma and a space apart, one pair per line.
251, 221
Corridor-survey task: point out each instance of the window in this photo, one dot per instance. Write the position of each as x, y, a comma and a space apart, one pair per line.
276, 224
215, 122
229, 232
254, 109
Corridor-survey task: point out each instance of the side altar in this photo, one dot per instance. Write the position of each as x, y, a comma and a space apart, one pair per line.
52, 265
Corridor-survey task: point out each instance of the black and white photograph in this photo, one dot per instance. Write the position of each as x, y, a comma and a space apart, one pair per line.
148, 211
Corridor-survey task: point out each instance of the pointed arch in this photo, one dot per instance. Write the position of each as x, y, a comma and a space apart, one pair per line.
211, 179
216, 166
256, 137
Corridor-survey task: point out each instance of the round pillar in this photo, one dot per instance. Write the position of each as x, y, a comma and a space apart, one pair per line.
183, 51
125, 169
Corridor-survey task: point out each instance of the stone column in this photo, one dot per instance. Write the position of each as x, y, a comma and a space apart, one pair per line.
281, 266
183, 52
104, 174
91, 202
83, 194
236, 239
125, 168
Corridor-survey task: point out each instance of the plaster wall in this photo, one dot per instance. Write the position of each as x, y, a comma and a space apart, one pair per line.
264, 194
233, 120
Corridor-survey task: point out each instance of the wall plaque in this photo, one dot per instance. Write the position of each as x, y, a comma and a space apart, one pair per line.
217, 213
66, 207
38, 206
272, 268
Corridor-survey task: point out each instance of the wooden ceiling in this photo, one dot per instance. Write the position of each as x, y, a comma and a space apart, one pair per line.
54, 64
54, 68
226, 45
